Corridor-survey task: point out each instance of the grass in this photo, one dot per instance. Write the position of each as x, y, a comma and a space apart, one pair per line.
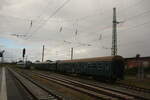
131, 78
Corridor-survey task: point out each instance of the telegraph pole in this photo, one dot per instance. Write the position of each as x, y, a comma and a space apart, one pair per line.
114, 35
43, 53
71, 53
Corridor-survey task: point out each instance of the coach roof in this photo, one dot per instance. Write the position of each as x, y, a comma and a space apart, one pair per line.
107, 58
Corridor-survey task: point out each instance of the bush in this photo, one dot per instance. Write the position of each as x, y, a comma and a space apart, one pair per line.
134, 71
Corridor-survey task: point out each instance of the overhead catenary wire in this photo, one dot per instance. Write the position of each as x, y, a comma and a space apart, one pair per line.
68, 48
61, 27
91, 44
99, 13
82, 18
98, 9
135, 26
127, 29
39, 19
128, 19
53, 14
138, 15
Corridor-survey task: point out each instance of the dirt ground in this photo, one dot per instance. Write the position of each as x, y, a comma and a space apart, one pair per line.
132, 80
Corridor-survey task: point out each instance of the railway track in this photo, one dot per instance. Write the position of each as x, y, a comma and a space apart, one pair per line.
35, 90
98, 92
126, 86
101, 92
104, 90
133, 87
122, 85
118, 84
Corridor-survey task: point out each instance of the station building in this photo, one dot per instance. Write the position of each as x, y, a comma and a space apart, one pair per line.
133, 62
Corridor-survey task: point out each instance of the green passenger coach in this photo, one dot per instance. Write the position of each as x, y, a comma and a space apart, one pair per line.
107, 68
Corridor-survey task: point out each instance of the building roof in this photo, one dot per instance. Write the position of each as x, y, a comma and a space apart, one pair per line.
141, 58
107, 58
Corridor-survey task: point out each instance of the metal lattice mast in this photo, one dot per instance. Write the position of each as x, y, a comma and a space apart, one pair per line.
43, 53
114, 34
71, 53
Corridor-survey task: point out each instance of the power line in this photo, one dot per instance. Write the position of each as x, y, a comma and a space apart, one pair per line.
44, 10
39, 18
93, 15
133, 42
138, 15
53, 14
133, 27
16, 17
130, 28
120, 31
129, 18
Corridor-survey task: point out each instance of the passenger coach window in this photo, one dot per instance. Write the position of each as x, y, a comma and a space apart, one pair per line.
99, 66
92, 65
107, 66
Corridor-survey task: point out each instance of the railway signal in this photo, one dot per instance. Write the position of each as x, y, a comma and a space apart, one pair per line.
23, 53
1, 55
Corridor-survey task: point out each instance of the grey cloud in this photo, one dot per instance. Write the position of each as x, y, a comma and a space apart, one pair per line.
3, 3
90, 17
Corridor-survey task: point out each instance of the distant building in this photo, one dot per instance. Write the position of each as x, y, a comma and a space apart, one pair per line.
132, 62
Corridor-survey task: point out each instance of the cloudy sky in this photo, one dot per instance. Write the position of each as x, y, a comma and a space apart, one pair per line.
85, 25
